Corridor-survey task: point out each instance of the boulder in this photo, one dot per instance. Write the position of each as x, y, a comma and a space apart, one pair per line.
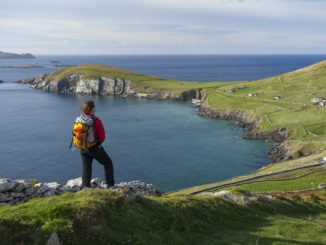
322, 185
75, 184
21, 185
266, 198
227, 197
17, 194
245, 200
95, 183
30, 191
6, 185
53, 185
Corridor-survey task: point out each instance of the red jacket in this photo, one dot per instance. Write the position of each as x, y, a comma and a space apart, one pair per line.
99, 132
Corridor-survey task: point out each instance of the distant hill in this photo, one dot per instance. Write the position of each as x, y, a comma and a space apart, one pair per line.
4, 55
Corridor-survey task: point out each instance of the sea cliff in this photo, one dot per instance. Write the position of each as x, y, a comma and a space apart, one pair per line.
78, 84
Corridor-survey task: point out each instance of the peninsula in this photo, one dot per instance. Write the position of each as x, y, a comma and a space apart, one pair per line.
4, 55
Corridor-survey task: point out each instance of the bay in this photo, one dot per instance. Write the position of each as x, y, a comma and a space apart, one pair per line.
159, 142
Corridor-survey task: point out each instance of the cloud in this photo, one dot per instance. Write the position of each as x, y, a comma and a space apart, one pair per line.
163, 26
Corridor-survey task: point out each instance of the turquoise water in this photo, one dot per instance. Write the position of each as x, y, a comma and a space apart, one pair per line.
159, 142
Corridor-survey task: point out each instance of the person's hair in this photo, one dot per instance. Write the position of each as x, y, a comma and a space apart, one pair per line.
87, 107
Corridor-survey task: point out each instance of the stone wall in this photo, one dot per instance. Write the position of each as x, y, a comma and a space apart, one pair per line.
15, 192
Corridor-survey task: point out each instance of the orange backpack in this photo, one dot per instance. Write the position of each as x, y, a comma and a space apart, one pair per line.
83, 132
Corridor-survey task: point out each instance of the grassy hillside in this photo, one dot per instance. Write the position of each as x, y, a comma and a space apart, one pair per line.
294, 110
140, 82
107, 217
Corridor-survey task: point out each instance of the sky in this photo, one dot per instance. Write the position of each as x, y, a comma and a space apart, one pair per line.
163, 26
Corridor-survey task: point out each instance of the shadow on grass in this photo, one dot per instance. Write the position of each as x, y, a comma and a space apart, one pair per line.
107, 218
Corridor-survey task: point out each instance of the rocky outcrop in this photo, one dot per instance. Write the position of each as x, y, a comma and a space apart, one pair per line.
279, 153
14, 192
78, 84
246, 198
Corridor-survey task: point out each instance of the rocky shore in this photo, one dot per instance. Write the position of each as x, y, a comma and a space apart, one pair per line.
15, 192
278, 154
77, 84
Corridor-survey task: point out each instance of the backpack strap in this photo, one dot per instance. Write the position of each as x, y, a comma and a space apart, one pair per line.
96, 140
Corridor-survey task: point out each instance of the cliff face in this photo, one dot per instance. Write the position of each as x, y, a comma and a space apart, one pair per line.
77, 84
279, 153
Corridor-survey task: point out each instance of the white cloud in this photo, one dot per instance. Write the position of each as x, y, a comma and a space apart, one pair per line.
164, 26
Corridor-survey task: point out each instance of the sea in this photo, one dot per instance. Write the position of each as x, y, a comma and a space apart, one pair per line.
160, 142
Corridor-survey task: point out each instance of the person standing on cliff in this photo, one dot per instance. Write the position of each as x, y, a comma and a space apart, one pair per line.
97, 151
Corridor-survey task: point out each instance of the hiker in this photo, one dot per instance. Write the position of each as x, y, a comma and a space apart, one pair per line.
88, 135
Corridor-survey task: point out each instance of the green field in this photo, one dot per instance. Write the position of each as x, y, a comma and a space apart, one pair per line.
106, 217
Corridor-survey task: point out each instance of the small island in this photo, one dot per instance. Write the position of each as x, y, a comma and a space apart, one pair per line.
4, 55
21, 66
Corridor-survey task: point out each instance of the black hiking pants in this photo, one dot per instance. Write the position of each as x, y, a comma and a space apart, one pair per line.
103, 158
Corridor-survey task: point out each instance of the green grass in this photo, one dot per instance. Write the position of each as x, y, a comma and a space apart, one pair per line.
307, 182
140, 82
106, 217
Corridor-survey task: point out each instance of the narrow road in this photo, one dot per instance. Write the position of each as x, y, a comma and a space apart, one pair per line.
256, 179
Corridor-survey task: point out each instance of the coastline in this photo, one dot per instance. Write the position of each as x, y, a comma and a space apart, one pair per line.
76, 84
278, 154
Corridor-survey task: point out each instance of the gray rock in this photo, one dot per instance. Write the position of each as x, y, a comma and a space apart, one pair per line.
26, 183
66, 188
55, 186
38, 185
95, 183
266, 198
6, 185
221, 193
75, 184
322, 185
245, 200
17, 194
30, 190
1, 81
18, 187
4, 195
24, 190
6, 199
46, 191
227, 197
54, 239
